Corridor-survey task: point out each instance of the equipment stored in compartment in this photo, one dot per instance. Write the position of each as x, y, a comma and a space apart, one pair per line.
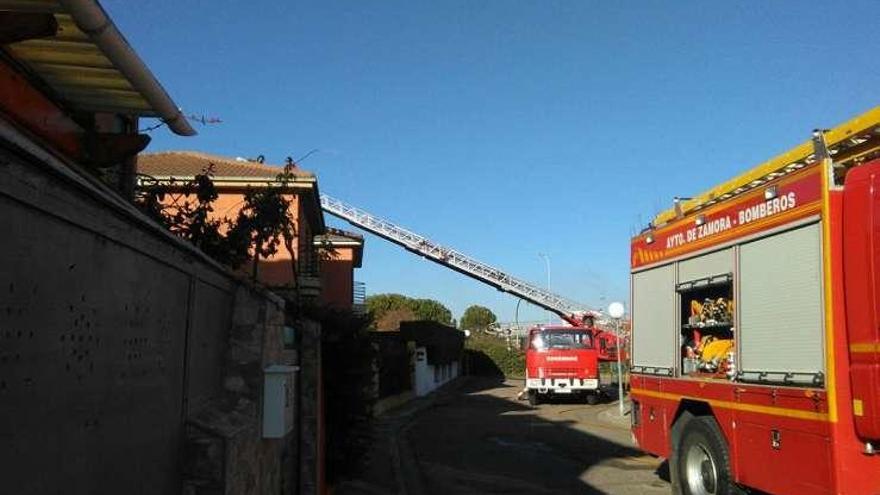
708, 345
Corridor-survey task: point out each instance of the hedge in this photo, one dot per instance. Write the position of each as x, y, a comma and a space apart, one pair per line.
487, 355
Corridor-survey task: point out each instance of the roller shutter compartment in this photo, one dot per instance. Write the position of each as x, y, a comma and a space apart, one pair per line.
708, 265
781, 314
654, 331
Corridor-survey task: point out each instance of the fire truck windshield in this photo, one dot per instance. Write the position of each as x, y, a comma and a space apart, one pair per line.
561, 339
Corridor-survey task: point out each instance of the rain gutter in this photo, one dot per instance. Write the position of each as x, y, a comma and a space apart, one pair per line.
91, 19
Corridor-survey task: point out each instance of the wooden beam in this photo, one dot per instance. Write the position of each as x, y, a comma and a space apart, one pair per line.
109, 150
25, 105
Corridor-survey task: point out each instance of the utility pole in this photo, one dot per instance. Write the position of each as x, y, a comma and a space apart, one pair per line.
516, 315
616, 311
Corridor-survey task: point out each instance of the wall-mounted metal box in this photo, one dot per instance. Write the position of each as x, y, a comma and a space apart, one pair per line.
278, 400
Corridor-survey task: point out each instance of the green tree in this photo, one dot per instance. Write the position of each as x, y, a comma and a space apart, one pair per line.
400, 307
477, 317
429, 309
390, 320
265, 221
379, 304
187, 210
347, 358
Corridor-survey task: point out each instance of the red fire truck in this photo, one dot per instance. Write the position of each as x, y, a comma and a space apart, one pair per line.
755, 344
561, 360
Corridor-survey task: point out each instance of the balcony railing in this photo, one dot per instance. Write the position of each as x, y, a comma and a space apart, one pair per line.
359, 298
308, 264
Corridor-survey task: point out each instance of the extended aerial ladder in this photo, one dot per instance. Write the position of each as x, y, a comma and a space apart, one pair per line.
570, 311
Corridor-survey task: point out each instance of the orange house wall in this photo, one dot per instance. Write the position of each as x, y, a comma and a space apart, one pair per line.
278, 270
337, 277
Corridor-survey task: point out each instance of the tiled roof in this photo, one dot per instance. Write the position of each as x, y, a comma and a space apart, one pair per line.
183, 164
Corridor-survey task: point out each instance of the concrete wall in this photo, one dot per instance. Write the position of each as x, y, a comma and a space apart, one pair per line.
96, 318
113, 334
427, 377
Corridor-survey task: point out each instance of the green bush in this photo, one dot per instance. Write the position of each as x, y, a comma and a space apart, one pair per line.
347, 357
487, 355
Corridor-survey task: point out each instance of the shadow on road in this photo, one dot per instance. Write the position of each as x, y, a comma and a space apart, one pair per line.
481, 441
662, 471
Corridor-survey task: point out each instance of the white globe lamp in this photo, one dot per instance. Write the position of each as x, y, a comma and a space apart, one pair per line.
616, 310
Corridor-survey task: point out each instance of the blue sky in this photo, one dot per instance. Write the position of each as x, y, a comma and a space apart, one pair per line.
508, 128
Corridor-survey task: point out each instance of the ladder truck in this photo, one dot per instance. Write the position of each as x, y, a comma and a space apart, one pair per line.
756, 325
560, 359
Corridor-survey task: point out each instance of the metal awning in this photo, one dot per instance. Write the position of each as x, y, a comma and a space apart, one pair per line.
89, 65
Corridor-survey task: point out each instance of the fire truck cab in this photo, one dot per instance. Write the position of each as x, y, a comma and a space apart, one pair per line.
755, 343
561, 360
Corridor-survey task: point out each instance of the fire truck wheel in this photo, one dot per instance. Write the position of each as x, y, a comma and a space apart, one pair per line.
592, 398
704, 461
533, 398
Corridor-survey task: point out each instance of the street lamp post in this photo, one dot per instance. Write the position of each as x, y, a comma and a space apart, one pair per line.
616, 311
547, 265
516, 314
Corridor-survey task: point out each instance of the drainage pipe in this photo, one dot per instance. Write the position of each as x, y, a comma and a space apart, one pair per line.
91, 19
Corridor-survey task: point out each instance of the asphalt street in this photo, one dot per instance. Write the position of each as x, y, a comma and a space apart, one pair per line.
477, 438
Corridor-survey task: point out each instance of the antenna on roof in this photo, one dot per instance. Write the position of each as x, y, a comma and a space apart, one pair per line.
310, 153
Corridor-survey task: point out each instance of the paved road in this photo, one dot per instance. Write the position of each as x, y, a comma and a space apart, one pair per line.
478, 439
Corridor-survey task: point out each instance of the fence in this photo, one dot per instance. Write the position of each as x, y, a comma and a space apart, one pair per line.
359, 298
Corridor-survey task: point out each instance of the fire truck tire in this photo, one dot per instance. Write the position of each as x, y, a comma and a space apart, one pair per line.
534, 400
703, 461
592, 398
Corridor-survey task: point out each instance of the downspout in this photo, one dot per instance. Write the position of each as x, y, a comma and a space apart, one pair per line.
91, 18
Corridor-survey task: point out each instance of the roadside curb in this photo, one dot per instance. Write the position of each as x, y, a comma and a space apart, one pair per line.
407, 471
611, 415
418, 404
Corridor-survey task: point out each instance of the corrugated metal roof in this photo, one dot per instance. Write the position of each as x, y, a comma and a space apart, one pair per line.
76, 68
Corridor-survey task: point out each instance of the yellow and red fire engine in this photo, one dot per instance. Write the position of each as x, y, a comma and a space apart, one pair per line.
755, 346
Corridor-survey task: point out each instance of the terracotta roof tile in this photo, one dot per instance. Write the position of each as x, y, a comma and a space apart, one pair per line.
182, 164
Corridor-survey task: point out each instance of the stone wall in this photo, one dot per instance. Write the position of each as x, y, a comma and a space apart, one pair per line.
227, 451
